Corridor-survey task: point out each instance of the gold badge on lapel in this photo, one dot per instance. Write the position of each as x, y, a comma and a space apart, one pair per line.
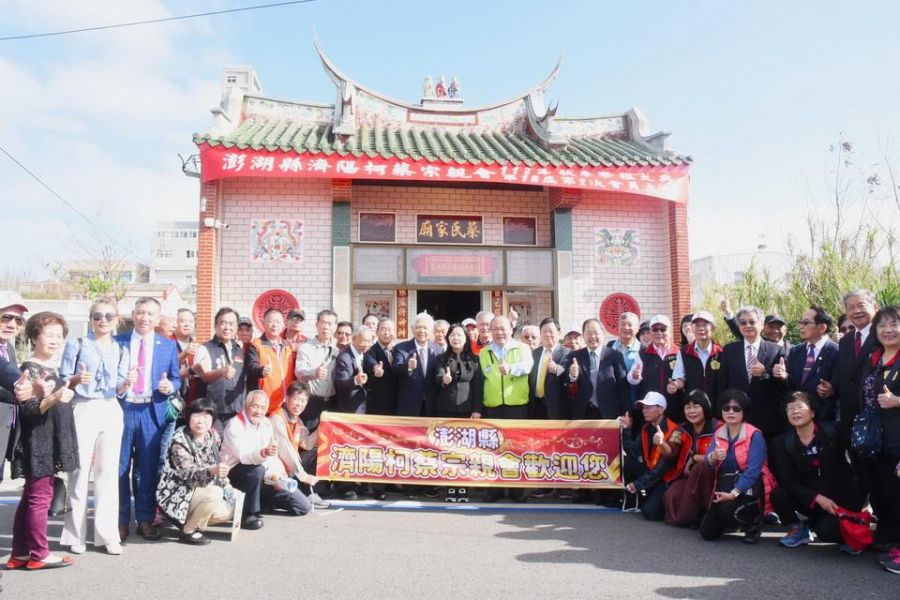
714, 365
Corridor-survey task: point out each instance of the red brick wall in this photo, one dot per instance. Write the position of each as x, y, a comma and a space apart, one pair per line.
207, 260
648, 281
679, 260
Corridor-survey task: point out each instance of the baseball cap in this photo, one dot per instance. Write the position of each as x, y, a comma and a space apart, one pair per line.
245, 321
702, 315
297, 312
574, 328
469, 321
10, 299
774, 319
653, 399
660, 320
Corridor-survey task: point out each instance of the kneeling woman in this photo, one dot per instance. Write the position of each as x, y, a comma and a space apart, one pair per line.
250, 446
687, 496
815, 477
192, 485
737, 453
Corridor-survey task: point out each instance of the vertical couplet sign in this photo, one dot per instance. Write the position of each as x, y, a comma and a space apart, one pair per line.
474, 452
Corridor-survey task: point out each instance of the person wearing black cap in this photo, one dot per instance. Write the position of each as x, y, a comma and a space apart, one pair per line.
293, 332
775, 330
244, 331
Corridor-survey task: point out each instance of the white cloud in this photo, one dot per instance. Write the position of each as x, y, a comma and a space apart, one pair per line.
100, 117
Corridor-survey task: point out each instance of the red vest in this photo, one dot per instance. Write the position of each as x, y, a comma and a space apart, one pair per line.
651, 457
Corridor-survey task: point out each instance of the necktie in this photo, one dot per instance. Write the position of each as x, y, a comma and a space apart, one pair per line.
810, 361
857, 344
141, 366
4, 351
594, 400
751, 360
422, 356
542, 374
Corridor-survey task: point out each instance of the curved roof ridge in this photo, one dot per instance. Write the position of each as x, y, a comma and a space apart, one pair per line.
336, 73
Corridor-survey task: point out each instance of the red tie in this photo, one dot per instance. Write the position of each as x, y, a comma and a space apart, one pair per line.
857, 344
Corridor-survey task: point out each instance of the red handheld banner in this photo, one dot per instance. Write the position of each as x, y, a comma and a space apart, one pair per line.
474, 452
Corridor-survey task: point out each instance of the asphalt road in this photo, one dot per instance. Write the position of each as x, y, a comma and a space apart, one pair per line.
436, 553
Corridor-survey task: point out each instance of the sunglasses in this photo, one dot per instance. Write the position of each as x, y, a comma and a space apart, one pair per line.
848, 329
7, 318
529, 337
659, 329
99, 316
732, 408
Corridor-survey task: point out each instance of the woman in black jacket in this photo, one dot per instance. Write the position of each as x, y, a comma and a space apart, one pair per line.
814, 475
459, 378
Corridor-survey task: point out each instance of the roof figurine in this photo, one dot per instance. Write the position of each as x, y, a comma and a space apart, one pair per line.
440, 90
453, 90
428, 88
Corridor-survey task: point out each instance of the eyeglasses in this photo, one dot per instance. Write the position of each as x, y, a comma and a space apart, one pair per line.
529, 337
735, 408
660, 328
746, 323
7, 318
99, 316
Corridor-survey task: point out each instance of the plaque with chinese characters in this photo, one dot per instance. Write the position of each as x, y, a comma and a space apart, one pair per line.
449, 229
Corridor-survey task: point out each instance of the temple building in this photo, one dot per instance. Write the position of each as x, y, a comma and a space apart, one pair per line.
371, 204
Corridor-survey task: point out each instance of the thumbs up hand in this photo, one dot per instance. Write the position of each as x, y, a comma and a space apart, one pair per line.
637, 370
165, 386
65, 395
671, 387
779, 371
447, 378
84, 377
658, 437
574, 371
23, 388
887, 400
378, 371
757, 369
43, 387
412, 363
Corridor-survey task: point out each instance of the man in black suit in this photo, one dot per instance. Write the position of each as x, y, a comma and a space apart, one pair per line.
746, 365
415, 366
599, 372
382, 398
12, 317
382, 383
349, 376
815, 361
854, 350
549, 396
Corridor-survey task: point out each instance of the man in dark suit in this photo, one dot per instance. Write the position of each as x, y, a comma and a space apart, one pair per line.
747, 365
813, 362
599, 372
349, 376
12, 318
549, 396
153, 376
853, 352
382, 394
415, 366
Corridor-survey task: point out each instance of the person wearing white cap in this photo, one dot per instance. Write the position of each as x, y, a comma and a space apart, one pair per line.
659, 361
656, 457
573, 339
471, 328
12, 318
699, 365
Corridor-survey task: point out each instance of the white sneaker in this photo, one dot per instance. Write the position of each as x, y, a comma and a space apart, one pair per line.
114, 548
77, 548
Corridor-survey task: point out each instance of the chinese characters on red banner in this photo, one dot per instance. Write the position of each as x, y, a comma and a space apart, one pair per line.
218, 162
474, 452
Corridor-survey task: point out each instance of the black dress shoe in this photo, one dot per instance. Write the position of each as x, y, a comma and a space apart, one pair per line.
379, 495
193, 539
123, 533
149, 532
252, 523
349, 495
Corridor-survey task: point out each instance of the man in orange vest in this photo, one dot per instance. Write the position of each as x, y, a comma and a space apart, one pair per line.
655, 458
270, 361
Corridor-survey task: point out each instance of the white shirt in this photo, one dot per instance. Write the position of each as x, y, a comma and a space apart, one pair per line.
202, 358
135, 348
817, 347
755, 345
310, 356
864, 332
523, 367
243, 441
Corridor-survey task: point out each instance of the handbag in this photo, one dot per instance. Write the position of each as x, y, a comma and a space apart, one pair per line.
867, 432
174, 406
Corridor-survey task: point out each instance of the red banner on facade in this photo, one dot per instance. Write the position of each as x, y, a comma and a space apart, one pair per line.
474, 452
219, 162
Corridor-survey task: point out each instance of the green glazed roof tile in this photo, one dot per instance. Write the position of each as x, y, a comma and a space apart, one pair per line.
439, 145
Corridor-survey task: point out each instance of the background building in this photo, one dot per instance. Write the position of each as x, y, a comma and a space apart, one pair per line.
173, 251
372, 204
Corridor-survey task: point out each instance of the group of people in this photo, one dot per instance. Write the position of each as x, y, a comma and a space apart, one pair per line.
718, 438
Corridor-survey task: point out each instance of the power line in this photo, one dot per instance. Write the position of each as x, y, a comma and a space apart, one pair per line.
152, 21
73, 208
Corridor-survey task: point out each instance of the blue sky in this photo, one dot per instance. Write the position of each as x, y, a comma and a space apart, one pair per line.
755, 92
